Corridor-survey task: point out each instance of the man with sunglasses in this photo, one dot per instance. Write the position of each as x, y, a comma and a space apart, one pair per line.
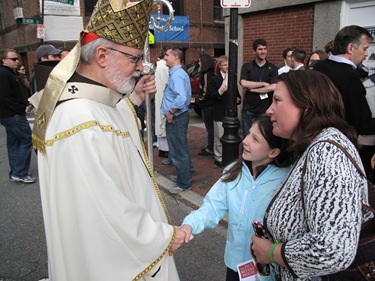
104, 215
13, 117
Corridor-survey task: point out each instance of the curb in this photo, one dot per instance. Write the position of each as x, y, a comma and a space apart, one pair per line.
189, 197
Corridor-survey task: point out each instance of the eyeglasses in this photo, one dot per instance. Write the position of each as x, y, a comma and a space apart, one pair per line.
13, 59
135, 59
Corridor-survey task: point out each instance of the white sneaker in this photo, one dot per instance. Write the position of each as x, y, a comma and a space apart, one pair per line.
177, 190
26, 179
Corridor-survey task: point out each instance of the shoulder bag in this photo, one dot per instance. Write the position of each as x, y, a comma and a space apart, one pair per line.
363, 266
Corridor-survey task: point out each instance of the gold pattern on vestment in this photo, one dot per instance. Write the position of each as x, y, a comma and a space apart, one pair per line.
139, 276
127, 26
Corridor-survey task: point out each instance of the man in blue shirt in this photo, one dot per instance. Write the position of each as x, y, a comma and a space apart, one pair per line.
175, 105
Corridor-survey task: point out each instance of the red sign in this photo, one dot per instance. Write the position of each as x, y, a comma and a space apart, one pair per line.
40, 31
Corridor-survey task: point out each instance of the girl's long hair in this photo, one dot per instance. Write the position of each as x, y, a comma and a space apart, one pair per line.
282, 160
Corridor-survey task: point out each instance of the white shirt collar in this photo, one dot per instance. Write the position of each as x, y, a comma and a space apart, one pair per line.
342, 60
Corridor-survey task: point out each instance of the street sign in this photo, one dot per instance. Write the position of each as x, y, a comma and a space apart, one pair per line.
40, 31
235, 3
69, 2
31, 21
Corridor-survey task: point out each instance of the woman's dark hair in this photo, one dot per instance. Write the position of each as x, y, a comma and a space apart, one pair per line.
320, 104
265, 128
207, 63
322, 56
207, 71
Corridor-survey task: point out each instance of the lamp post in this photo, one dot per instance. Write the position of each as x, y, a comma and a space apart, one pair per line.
230, 138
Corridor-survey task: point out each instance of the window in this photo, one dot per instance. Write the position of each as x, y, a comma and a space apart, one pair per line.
218, 11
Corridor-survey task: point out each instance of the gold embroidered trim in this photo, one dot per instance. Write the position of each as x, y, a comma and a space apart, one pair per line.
148, 165
41, 144
139, 276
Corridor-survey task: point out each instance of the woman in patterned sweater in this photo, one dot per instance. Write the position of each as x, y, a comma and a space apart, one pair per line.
320, 238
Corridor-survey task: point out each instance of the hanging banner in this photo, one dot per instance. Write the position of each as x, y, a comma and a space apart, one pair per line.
178, 31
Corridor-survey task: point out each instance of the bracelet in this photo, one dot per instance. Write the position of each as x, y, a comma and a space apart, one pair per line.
271, 251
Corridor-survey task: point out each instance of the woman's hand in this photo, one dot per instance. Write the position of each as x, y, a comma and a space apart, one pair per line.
261, 249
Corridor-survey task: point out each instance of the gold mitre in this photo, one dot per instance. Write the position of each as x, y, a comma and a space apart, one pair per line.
122, 21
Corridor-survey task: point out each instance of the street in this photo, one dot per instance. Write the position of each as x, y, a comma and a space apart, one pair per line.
23, 255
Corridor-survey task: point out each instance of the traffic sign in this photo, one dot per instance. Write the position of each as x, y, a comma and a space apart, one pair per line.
235, 3
40, 31
31, 21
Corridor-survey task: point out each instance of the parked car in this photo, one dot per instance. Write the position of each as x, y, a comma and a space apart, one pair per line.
193, 70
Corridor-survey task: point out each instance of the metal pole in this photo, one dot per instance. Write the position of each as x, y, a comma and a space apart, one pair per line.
148, 67
231, 139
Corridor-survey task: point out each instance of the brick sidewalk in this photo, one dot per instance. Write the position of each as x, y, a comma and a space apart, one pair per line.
206, 173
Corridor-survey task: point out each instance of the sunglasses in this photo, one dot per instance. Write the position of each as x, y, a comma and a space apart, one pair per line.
13, 59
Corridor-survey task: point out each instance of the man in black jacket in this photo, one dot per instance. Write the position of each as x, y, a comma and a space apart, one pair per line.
350, 49
219, 95
13, 117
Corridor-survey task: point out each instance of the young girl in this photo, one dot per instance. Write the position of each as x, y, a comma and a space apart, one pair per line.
244, 191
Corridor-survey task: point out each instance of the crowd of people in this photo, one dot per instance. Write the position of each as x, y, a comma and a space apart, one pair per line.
106, 219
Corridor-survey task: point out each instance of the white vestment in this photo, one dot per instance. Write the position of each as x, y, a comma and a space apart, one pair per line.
104, 215
161, 79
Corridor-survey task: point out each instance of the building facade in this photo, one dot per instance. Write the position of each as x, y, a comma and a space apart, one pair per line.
63, 22
306, 24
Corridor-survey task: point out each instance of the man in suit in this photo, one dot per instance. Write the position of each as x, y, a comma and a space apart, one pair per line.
218, 94
298, 59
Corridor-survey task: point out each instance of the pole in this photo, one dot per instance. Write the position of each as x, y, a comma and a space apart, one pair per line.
231, 139
148, 67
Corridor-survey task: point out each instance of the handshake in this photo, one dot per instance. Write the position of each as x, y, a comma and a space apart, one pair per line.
183, 236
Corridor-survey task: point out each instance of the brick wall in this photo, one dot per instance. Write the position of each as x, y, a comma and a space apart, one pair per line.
281, 29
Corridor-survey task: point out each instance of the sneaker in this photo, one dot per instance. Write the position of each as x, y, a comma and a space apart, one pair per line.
218, 164
173, 178
166, 162
26, 179
205, 152
177, 190
163, 153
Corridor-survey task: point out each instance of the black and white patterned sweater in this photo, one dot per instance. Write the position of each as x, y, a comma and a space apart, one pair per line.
324, 240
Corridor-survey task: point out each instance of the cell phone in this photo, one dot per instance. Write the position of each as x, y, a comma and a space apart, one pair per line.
259, 230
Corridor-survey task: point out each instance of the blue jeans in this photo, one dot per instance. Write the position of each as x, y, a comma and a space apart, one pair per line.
247, 121
19, 144
208, 118
178, 148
